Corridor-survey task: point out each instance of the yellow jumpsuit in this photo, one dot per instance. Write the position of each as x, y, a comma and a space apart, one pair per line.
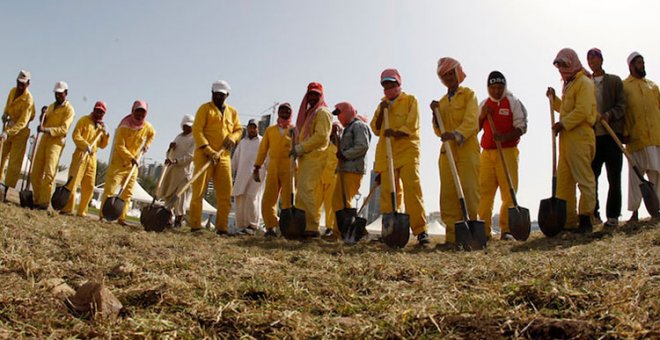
310, 165
276, 145
127, 144
326, 186
459, 115
210, 129
83, 165
20, 111
58, 120
404, 117
577, 147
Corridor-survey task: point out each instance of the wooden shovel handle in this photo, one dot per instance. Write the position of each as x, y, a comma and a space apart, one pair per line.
366, 200
390, 160
194, 178
554, 138
609, 130
450, 155
504, 165
130, 174
83, 159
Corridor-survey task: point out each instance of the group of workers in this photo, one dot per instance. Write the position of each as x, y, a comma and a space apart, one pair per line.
327, 159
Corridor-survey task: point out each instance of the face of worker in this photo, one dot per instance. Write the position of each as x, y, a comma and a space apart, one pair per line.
252, 131
496, 91
97, 115
219, 99
284, 112
595, 62
186, 129
388, 84
449, 79
637, 67
139, 114
313, 98
60, 97
20, 86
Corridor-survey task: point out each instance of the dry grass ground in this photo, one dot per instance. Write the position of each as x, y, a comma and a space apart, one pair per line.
180, 285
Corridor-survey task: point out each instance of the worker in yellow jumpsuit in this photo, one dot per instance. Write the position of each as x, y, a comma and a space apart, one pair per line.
351, 151
403, 118
313, 126
216, 130
18, 112
82, 170
276, 145
326, 186
459, 112
132, 139
57, 121
577, 140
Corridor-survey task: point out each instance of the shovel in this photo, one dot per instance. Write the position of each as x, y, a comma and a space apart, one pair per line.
113, 206
4, 187
648, 191
470, 234
345, 217
155, 217
552, 211
62, 193
26, 196
520, 224
358, 228
292, 220
396, 226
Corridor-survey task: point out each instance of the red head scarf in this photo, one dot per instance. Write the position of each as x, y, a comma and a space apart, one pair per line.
130, 121
285, 123
391, 74
573, 65
306, 114
346, 113
447, 64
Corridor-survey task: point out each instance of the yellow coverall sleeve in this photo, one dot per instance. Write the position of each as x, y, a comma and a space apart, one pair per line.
237, 134
77, 135
198, 127
470, 124
151, 133
556, 104
61, 130
375, 129
263, 150
320, 136
121, 148
582, 111
103, 141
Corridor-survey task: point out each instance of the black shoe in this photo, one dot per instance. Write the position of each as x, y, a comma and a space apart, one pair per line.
221, 232
423, 239
196, 231
270, 233
585, 226
634, 217
311, 234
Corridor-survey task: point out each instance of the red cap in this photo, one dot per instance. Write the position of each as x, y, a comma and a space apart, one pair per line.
315, 87
100, 105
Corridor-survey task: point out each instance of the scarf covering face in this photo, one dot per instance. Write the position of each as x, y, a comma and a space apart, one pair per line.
573, 65
306, 115
346, 113
130, 121
391, 74
285, 123
447, 64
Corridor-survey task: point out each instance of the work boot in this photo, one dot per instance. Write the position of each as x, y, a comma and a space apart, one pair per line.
634, 217
270, 233
585, 226
311, 234
597, 220
196, 231
221, 232
423, 239
612, 222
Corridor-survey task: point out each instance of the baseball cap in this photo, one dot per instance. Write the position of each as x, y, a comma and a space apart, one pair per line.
100, 105
315, 87
221, 86
24, 76
187, 120
252, 122
60, 86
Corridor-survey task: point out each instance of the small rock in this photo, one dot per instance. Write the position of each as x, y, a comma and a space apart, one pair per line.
96, 301
123, 269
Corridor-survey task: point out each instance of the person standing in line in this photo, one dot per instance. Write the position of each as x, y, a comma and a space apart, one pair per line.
247, 191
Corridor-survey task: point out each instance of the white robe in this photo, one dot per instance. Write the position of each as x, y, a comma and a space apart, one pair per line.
246, 191
179, 173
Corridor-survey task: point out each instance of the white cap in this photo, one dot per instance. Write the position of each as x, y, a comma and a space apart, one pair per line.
60, 86
221, 86
187, 120
633, 56
252, 122
23, 76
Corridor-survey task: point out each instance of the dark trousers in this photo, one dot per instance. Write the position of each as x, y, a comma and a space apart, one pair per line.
608, 152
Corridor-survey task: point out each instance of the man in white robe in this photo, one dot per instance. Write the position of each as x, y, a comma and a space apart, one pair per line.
179, 169
246, 191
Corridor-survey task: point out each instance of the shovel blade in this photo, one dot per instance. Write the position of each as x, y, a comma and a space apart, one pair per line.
520, 223
60, 197
345, 219
356, 231
27, 198
112, 208
471, 235
292, 223
155, 218
650, 199
396, 229
552, 216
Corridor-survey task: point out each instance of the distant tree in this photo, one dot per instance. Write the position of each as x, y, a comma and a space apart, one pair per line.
148, 183
101, 169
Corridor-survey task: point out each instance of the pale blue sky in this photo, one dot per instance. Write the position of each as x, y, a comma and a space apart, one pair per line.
169, 53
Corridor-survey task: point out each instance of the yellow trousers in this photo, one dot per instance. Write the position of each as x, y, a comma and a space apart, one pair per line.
576, 151
352, 183
222, 185
44, 170
13, 150
278, 181
467, 163
492, 177
309, 177
114, 179
84, 177
408, 175
324, 192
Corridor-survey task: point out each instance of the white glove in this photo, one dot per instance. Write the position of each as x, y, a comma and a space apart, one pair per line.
3, 136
